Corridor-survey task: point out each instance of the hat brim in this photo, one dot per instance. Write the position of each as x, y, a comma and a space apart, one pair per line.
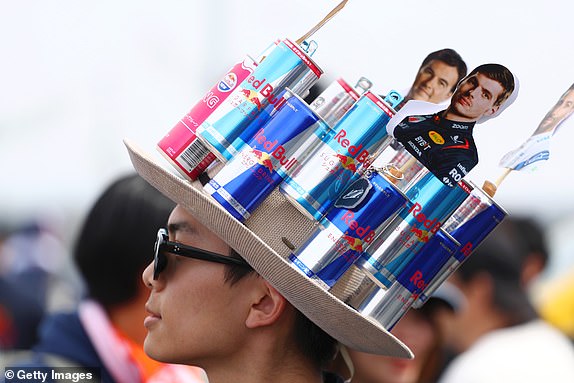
259, 241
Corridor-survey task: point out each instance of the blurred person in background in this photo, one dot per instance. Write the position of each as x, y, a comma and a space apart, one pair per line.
114, 246
32, 260
536, 257
420, 330
498, 334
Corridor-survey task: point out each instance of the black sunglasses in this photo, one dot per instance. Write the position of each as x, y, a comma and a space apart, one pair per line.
163, 245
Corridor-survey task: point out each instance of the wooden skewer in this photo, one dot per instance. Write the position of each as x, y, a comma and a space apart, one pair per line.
322, 22
491, 188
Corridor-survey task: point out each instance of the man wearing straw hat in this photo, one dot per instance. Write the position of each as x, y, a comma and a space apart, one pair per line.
443, 141
223, 297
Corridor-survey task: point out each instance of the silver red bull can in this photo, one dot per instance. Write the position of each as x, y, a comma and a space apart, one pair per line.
233, 124
388, 306
340, 158
357, 216
431, 203
403, 165
470, 224
245, 181
338, 98
180, 145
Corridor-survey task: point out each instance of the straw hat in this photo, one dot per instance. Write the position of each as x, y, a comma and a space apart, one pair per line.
260, 242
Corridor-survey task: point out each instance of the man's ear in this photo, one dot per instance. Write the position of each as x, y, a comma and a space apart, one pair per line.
267, 308
492, 110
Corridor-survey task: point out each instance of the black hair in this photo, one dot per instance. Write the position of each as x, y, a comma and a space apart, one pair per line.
451, 58
314, 343
116, 240
501, 256
498, 73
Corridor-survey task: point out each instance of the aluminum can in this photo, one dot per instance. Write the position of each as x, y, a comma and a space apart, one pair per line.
245, 181
360, 212
388, 306
338, 98
470, 224
231, 126
341, 157
405, 167
431, 203
180, 146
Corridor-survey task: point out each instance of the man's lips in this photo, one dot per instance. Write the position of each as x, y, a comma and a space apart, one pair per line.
152, 317
423, 91
464, 101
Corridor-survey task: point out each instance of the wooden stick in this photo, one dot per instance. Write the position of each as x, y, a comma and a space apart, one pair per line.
491, 188
322, 22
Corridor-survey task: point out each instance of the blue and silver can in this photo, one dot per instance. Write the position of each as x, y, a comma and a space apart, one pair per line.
360, 212
231, 126
338, 98
431, 203
470, 224
388, 306
341, 157
245, 181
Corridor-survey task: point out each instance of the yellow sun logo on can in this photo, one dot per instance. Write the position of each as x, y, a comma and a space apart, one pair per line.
436, 138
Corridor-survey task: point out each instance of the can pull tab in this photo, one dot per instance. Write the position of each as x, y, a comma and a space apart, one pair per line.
309, 46
390, 171
394, 98
363, 85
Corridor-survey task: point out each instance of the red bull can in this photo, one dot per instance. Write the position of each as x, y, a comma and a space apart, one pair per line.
245, 181
403, 165
340, 158
388, 306
359, 213
470, 224
180, 145
231, 126
431, 202
338, 98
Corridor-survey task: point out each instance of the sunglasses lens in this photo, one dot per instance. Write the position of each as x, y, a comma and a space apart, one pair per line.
160, 260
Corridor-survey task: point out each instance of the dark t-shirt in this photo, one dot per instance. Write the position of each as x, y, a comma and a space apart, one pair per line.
444, 147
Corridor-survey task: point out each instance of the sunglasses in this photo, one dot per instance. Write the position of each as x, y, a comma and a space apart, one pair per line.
163, 245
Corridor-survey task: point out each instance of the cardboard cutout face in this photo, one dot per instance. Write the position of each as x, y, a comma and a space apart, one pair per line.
434, 82
474, 98
559, 112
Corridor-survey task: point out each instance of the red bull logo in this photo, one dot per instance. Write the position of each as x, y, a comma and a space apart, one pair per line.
266, 92
361, 156
466, 249
253, 97
432, 225
354, 243
422, 235
417, 280
365, 234
347, 162
275, 151
263, 159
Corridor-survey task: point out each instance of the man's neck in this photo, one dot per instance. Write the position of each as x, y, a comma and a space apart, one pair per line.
455, 117
255, 364
256, 374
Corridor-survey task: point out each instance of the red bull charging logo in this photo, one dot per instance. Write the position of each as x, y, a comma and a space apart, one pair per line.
273, 151
266, 92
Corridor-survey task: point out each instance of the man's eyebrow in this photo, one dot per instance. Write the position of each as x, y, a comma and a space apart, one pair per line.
182, 226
